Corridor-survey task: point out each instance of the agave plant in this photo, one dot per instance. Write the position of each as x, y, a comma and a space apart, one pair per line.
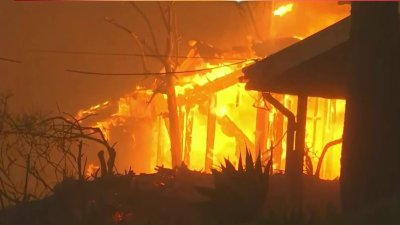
238, 195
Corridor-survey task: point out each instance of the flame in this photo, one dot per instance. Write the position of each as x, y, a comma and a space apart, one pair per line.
144, 125
222, 111
216, 71
283, 9
325, 120
91, 170
92, 110
234, 132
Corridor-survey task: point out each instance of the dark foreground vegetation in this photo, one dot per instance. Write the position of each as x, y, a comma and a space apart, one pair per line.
43, 181
181, 196
176, 196
34, 146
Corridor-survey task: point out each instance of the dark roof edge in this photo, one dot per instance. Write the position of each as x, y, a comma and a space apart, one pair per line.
304, 50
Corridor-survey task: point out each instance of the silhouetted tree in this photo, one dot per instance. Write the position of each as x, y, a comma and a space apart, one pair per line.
169, 60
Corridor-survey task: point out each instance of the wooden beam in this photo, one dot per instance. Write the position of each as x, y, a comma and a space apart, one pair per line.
300, 132
211, 123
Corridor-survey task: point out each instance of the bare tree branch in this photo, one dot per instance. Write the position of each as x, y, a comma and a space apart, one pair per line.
9, 60
146, 19
35, 145
139, 41
164, 19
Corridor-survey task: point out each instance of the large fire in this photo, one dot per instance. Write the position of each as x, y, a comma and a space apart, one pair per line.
235, 110
215, 97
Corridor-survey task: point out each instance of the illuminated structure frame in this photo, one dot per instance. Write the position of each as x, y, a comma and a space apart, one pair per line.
314, 67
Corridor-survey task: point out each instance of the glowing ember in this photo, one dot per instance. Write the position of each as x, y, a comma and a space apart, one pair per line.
283, 9
118, 216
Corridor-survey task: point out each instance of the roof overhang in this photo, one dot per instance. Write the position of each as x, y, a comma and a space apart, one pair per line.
316, 66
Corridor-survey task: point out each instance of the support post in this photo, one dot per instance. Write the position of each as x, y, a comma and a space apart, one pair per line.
278, 135
300, 133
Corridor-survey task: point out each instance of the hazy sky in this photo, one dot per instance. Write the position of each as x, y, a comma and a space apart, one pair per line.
41, 82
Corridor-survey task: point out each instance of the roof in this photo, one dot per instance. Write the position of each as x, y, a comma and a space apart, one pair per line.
316, 66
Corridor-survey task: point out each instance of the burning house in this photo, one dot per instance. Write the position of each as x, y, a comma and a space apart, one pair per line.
248, 135
221, 118
206, 112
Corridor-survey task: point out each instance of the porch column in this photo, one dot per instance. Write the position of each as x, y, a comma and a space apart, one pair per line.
300, 133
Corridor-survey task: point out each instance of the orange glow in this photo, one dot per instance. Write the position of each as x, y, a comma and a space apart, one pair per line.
235, 126
283, 9
91, 170
222, 111
141, 128
325, 119
298, 37
118, 216
92, 109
